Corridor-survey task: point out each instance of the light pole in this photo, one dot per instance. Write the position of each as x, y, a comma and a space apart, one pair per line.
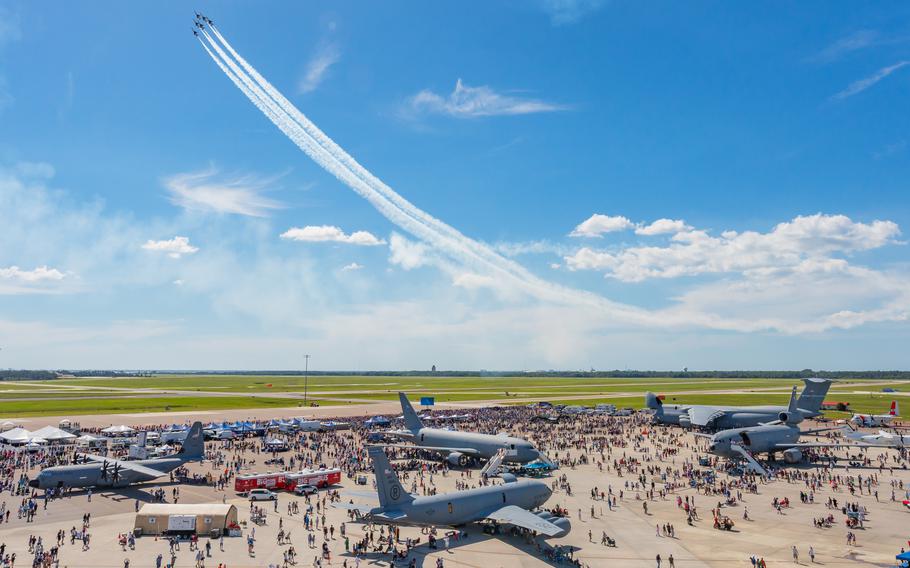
306, 378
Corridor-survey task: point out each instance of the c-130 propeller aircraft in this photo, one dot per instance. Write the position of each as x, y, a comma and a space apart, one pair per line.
98, 471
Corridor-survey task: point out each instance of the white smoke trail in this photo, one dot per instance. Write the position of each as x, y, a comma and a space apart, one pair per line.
321, 157
361, 172
398, 210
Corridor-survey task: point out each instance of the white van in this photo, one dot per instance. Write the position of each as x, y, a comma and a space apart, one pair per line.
262, 495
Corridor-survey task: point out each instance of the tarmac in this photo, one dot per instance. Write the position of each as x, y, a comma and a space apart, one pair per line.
767, 534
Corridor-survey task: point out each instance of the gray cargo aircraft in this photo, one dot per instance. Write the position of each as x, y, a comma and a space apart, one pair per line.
98, 471
509, 503
712, 417
461, 447
778, 436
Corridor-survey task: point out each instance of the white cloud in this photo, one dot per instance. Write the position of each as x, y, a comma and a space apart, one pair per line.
569, 11
38, 274
861, 85
696, 252
40, 280
555, 266
330, 233
470, 102
175, 248
327, 55
351, 267
240, 195
597, 224
511, 249
407, 254
178, 282
663, 227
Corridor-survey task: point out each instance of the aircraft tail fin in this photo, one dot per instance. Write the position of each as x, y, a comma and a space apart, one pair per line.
894, 409
193, 445
388, 486
653, 402
411, 420
813, 394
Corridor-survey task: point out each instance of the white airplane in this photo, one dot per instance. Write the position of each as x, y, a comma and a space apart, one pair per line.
869, 420
881, 439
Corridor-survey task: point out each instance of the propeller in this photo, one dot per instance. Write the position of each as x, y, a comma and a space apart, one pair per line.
104, 470
115, 475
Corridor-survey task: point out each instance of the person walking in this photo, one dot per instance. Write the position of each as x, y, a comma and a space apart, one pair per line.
812, 555
795, 554
658, 560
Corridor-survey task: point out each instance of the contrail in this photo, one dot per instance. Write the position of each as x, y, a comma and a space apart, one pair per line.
394, 207
321, 157
361, 172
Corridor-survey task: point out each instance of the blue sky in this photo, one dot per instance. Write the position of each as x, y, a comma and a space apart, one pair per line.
632, 185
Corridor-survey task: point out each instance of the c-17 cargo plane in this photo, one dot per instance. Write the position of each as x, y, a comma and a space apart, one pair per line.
460, 447
714, 417
509, 503
779, 436
99, 471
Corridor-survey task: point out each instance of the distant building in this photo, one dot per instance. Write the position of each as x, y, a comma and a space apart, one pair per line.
835, 405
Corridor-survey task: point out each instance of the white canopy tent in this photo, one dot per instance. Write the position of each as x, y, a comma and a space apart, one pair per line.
53, 434
16, 436
6, 426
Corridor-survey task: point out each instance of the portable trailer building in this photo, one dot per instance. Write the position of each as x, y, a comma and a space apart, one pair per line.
185, 518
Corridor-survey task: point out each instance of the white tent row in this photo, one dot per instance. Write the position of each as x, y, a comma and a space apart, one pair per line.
16, 436
53, 434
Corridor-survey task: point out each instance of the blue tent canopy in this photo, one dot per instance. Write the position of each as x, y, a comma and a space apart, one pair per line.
903, 556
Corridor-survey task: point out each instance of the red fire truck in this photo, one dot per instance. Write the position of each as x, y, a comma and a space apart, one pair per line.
287, 480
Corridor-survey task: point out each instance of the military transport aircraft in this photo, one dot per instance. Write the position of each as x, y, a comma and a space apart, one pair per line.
712, 417
509, 503
461, 447
782, 435
98, 471
876, 419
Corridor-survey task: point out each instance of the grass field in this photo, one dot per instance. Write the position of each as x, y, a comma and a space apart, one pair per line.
175, 393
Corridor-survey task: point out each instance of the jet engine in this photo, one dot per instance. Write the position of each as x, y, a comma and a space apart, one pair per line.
684, 421
562, 522
793, 455
783, 417
457, 458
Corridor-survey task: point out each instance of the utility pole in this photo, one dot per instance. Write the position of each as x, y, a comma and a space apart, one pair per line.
306, 378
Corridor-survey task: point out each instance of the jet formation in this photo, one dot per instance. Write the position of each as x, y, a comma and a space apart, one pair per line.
713, 417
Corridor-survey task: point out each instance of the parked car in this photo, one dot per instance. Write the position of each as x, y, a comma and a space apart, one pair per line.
262, 495
305, 489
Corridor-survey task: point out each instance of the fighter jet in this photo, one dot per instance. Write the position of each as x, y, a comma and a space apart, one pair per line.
199, 24
779, 436
196, 33
97, 471
711, 417
509, 503
876, 419
461, 447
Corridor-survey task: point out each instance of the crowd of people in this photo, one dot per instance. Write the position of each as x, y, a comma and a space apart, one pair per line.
637, 465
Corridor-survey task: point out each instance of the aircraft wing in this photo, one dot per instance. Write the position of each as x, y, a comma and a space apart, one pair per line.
703, 415
515, 515
362, 509
466, 451
127, 465
800, 445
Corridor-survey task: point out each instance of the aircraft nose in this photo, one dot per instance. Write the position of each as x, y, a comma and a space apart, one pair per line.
33, 483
